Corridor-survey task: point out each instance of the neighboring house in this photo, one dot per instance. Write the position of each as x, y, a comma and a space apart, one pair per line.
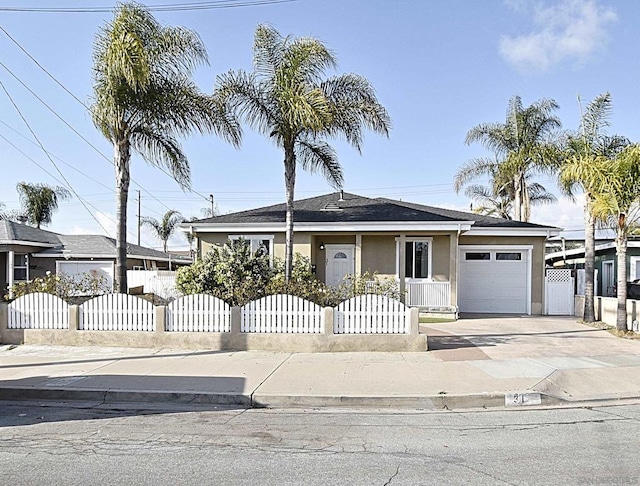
443, 258
27, 252
605, 264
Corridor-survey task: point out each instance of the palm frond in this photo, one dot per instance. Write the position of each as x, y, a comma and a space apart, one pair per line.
319, 156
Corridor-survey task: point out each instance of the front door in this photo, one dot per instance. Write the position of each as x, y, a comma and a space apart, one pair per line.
340, 262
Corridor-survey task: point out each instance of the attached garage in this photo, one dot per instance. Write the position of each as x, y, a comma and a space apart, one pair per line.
495, 279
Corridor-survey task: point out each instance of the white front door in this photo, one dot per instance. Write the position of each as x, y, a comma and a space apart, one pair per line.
340, 262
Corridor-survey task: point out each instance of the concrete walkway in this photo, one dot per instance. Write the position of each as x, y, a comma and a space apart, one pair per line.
474, 362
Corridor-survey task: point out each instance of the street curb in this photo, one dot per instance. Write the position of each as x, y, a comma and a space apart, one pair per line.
124, 396
256, 400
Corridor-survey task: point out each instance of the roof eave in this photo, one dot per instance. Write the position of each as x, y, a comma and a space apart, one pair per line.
332, 226
513, 231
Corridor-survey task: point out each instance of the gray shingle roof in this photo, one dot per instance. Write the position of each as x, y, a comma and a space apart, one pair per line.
12, 231
73, 245
98, 245
330, 208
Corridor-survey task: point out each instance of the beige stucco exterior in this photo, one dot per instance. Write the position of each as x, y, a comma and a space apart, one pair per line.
377, 252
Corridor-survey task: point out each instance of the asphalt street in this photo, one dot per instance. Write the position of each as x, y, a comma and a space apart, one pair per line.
56, 444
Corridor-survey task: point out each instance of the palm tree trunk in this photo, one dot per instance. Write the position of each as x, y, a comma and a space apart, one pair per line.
517, 199
290, 181
589, 263
621, 251
122, 156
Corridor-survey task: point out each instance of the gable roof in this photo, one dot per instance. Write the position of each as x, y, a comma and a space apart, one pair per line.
99, 246
352, 210
75, 246
20, 234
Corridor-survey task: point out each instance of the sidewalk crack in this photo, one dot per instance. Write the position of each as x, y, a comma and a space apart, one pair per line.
266, 378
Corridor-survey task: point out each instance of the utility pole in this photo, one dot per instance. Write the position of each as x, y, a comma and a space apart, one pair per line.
212, 206
139, 220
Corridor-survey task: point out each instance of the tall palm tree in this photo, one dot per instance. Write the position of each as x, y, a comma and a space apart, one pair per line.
523, 146
39, 201
164, 228
588, 146
616, 202
145, 99
497, 198
288, 99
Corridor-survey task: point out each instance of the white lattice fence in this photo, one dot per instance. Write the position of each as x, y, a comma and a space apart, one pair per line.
198, 313
38, 311
559, 285
281, 314
371, 314
117, 312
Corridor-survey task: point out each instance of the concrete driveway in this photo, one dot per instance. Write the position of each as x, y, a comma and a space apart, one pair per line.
513, 337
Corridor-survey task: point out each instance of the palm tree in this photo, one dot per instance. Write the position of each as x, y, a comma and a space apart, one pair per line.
287, 99
588, 146
39, 201
164, 228
524, 146
616, 202
497, 198
145, 99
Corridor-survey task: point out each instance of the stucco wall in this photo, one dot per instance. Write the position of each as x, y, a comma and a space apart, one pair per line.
537, 262
379, 255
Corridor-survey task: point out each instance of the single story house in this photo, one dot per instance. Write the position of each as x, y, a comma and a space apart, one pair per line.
27, 252
443, 258
605, 264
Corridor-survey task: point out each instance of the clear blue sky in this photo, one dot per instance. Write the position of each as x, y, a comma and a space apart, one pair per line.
439, 68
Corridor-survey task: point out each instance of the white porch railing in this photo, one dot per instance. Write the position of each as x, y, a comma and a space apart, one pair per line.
428, 294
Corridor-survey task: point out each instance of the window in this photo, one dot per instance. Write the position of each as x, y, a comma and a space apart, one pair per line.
340, 255
20, 267
260, 244
485, 255
513, 256
417, 258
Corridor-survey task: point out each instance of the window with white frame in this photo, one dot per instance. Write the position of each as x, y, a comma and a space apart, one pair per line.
417, 254
260, 244
20, 267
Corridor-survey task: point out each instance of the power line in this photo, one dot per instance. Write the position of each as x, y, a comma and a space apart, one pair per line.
59, 83
169, 7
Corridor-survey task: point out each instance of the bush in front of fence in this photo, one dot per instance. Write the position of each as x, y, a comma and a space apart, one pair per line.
71, 288
237, 275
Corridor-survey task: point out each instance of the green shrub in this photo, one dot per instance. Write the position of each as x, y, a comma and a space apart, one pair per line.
64, 286
236, 275
230, 272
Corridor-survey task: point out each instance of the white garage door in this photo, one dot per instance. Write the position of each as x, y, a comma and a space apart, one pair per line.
95, 268
494, 280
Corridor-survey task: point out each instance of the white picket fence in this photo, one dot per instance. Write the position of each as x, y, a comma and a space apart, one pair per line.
198, 313
159, 282
117, 312
371, 314
366, 314
281, 314
38, 311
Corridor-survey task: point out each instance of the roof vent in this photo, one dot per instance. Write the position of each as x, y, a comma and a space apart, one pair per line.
332, 206
341, 196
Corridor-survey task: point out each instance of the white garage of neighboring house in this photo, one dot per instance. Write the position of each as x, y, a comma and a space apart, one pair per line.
495, 279
96, 269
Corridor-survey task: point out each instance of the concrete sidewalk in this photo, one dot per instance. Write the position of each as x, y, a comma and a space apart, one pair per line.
474, 362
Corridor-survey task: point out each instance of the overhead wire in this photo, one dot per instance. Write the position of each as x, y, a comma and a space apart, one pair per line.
59, 83
169, 7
